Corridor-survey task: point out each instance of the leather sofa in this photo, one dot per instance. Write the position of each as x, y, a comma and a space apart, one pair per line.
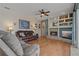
26, 35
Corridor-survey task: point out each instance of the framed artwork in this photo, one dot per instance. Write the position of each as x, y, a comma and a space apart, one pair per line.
23, 24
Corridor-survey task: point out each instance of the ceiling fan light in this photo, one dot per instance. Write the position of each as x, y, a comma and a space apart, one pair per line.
42, 14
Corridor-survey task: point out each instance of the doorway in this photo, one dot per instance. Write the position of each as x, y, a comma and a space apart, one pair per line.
44, 27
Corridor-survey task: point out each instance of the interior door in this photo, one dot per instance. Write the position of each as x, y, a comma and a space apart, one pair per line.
44, 27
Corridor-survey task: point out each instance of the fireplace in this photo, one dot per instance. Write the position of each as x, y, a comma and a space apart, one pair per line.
67, 34
53, 33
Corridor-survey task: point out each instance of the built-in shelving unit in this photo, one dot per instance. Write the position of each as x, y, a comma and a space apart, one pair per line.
59, 24
66, 20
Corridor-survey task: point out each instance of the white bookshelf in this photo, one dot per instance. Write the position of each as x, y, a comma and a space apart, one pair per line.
63, 21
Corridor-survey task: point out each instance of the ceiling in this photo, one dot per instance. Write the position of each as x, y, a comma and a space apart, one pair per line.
30, 9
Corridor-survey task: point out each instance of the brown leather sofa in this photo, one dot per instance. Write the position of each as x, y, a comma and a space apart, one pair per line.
26, 35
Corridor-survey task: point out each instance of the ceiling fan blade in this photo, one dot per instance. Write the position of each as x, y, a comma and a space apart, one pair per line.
42, 10
48, 12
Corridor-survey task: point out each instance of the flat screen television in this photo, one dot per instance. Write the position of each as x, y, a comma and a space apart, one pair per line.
67, 34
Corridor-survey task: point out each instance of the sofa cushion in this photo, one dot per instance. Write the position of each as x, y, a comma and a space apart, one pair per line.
24, 45
5, 49
12, 41
29, 51
2, 33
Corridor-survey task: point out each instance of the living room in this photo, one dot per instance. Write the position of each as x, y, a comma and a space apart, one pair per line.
42, 26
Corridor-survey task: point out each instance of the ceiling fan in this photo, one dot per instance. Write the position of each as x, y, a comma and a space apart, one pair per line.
43, 13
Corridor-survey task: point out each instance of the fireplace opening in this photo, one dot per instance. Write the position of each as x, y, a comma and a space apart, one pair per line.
53, 33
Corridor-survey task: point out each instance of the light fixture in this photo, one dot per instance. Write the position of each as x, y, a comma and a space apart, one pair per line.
42, 14
10, 26
10, 29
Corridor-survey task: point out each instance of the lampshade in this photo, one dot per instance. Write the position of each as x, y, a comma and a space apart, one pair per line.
10, 28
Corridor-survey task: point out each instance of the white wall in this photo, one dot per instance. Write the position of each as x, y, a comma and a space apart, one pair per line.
7, 21
77, 28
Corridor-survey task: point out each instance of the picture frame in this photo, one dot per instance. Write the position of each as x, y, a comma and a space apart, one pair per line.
23, 24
